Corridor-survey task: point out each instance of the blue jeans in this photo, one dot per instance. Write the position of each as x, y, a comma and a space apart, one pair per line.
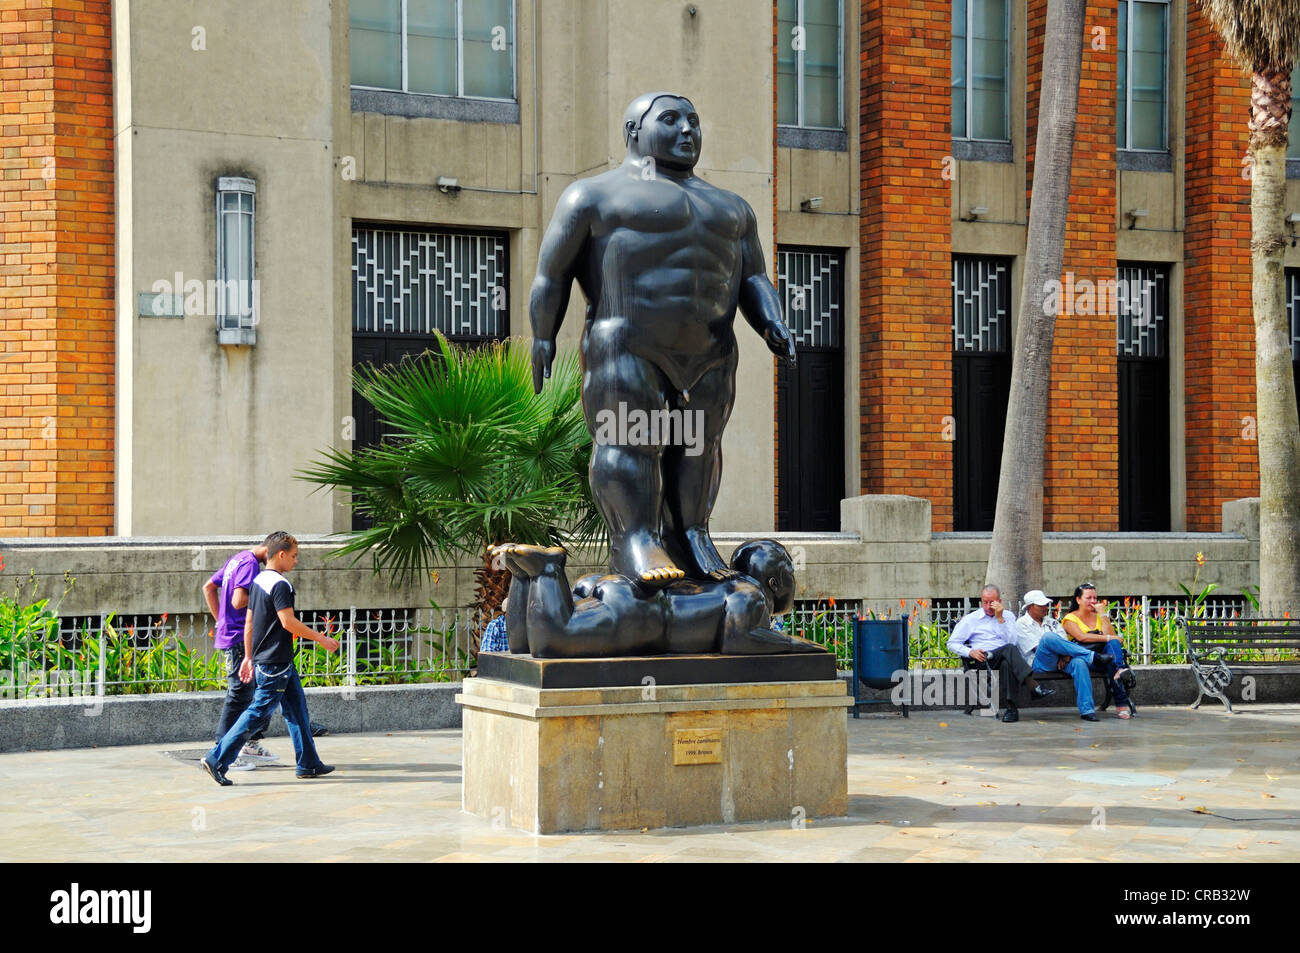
1109, 659
282, 688
1051, 648
238, 695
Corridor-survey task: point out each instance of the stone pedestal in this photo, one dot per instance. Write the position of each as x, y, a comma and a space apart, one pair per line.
653, 755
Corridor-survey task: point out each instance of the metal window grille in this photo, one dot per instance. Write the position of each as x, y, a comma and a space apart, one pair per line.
1293, 310
810, 285
981, 304
236, 295
1141, 310
419, 282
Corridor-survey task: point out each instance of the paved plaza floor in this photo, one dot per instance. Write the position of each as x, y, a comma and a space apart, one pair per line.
1171, 785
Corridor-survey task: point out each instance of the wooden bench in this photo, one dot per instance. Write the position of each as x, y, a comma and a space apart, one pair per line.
1210, 641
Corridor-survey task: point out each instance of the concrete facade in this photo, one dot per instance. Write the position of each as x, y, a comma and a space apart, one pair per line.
207, 437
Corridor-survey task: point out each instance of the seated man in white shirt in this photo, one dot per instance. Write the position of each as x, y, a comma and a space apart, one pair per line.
987, 635
1043, 643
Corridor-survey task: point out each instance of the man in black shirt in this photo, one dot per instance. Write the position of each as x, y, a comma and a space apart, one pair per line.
269, 630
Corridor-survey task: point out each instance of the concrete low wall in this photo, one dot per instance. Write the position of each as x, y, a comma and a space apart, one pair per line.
192, 716
1156, 685
885, 552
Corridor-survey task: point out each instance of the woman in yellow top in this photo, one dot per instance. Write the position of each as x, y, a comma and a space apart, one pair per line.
1092, 629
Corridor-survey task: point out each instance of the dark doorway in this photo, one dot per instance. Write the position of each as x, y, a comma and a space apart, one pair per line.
1142, 364
1293, 322
981, 384
810, 397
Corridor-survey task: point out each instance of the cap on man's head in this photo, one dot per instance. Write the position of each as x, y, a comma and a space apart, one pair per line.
1035, 597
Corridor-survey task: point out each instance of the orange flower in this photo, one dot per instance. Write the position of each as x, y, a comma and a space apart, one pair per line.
1200, 559
433, 574
164, 618
831, 602
1286, 615
902, 603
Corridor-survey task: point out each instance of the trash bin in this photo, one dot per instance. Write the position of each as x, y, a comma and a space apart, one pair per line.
879, 650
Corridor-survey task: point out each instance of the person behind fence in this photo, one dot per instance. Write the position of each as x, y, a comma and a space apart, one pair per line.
270, 627
1042, 642
494, 633
226, 594
1093, 630
987, 637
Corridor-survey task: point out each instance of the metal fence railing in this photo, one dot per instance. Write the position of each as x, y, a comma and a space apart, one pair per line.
44, 656
78, 656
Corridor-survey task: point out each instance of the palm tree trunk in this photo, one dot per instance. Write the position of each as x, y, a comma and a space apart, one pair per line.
491, 586
1016, 555
1275, 398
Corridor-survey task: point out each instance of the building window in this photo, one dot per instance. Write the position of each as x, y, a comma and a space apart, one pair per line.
1293, 310
435, 47
981, 304
1143, 94
420, 282
809, 69
980, 66
237, 291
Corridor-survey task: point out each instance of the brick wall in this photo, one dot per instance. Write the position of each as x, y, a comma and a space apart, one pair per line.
1219, 325
1081, 484
56, 277
905, 251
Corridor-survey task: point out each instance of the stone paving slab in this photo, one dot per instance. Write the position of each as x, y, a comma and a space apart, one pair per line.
934, 787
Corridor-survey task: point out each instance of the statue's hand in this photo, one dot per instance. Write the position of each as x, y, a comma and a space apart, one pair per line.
543, 356
781, 343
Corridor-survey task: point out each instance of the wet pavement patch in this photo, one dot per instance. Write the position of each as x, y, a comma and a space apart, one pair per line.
1127, 779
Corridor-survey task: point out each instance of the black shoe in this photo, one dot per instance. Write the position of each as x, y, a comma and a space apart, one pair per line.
1041, 692
316, 772
317, 730
1089, 717
211, 770
1010, 715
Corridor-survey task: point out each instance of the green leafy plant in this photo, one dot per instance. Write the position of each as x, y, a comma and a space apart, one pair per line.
474, 459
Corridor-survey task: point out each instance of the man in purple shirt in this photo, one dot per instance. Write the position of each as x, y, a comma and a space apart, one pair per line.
227, 597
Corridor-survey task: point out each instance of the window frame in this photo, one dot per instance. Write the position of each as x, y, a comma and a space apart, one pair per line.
799, 76
460, 62
240, 328
1006, 92
1123, 136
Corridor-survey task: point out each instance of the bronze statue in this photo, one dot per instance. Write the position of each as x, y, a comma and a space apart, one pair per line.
612, 615
664, 259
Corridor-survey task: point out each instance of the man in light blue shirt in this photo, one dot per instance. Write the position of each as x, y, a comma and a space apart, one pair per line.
987, 637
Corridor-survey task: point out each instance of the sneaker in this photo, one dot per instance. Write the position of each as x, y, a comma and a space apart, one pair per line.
316, 772
317, 729
1010, 715
1089, 717
241, 764
254, 752
1043, 692
211, 770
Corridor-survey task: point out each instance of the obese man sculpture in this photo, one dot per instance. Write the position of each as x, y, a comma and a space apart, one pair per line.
664, 260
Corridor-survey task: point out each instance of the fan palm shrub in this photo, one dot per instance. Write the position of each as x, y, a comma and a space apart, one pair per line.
473, 458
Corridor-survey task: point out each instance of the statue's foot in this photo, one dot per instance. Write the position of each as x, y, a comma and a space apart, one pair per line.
643, 559
761, 641
707, 559
531, 561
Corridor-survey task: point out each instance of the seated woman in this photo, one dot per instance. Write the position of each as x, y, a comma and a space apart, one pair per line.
1093, 630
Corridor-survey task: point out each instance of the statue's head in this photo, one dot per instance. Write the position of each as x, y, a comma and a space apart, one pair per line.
768, 563
664, 127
